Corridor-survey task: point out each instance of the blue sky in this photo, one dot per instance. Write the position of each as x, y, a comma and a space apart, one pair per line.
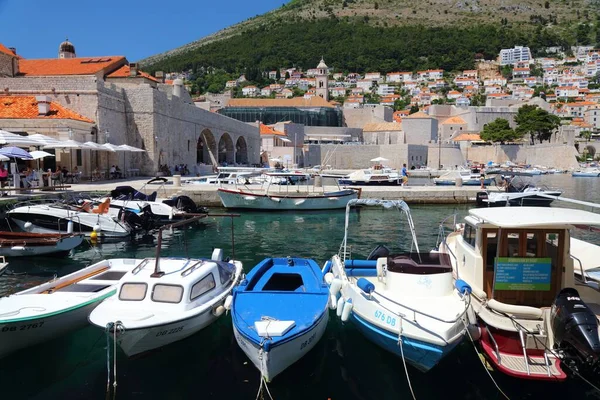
133, 28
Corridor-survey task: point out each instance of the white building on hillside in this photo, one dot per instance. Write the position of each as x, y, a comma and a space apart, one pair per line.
517, 54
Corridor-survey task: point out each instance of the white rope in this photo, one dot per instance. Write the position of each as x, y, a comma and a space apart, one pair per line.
116, 324
404, 360
107, 359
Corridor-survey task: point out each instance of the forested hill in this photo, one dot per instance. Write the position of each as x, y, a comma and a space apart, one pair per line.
385, 35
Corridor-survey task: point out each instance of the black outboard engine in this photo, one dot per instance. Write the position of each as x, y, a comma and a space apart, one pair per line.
146, 220
185, 204
575, 329
479, 199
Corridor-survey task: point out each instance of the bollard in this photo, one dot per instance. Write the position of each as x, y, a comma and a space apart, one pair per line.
177, 180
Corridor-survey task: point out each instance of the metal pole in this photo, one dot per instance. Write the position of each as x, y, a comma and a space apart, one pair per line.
232, 240
439, 152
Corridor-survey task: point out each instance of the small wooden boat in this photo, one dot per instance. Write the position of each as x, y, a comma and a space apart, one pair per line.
18, 244
59, 306
280, 312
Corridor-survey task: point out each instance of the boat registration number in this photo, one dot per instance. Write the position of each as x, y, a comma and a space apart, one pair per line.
22, 327
388, 319
308, 341
169, 331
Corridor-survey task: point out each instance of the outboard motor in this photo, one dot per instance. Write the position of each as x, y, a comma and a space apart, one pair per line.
479, 199
146, 220
575, 329
185, 204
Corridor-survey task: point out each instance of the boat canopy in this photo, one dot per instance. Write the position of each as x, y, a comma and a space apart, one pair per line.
520, 217
388, 204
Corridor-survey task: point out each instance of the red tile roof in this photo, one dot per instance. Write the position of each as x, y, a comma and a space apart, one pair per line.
26, 107
467, 137
70, 66
269, 130
6, 50
124, 72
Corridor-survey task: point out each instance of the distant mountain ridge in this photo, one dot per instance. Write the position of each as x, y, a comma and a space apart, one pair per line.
557, 17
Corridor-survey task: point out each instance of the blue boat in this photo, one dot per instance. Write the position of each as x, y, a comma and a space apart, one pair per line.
406, 303
280, 312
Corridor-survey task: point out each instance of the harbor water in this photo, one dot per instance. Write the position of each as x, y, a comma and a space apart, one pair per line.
209, 364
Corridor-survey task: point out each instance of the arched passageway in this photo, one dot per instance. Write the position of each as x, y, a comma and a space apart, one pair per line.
241, 151
206, 148
225, 148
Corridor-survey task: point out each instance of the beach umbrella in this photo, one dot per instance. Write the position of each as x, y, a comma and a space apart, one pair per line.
98, 147
37, 154
67, 144
16, 140
379, 159
130, 149
115, 148
15, 152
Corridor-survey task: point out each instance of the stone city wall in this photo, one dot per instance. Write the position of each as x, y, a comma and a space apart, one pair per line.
547, 155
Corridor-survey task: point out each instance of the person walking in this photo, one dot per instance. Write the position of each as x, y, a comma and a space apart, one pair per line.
404, 174
482, 178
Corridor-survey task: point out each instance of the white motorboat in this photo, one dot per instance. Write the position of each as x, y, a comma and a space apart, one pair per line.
288, 197
518, 193
519, 262
373, 177
280, 312
406, 303
60, 218
589, 172
162, 301
469, 177
19, 244
59, 306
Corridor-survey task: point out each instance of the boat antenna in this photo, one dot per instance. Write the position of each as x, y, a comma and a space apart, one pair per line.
157, 272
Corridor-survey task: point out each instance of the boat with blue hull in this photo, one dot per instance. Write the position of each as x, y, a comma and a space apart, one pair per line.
280, 312
406, 303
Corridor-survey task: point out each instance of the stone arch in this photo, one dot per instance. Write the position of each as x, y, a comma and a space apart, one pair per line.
241, 151
226, 151
206, 148
590, 150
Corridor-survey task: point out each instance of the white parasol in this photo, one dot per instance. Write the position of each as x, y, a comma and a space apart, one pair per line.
379, 159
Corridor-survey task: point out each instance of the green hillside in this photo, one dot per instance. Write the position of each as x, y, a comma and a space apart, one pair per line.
386, 35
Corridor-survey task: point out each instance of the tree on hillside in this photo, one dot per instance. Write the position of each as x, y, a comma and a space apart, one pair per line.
414, 109
499, 130
536, 122
277, 75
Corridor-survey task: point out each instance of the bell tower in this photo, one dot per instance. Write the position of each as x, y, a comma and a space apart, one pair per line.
322, 78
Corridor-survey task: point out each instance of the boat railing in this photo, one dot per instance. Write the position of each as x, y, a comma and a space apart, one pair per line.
584, 275
140, 266
36, 202
68, 219
192, 268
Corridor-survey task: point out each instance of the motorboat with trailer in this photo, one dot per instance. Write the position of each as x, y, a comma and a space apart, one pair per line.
60, 217
518, 192
57, 307
291, 197
536, 321
407, 302
19, 244
280, 312
166, 299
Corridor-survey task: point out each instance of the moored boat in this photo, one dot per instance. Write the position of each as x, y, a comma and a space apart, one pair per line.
590, 172
59, 306
405, 303
18, 244
280, 312
534, 323
518, 193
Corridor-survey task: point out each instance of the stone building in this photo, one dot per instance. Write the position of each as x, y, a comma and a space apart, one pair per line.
125, 106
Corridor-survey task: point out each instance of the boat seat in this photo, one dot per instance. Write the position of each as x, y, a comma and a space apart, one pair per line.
103, 207
410, 263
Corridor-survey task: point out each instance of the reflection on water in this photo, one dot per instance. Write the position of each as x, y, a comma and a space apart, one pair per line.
210, 365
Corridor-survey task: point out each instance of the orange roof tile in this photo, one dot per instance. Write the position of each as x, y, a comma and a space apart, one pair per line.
382, 127
467, 137
26, 107
6, 50
125, 72
70, 66
454, 120
315, 101
269, 130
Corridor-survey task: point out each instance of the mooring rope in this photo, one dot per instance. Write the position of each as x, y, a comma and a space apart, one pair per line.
115, 326
404, 360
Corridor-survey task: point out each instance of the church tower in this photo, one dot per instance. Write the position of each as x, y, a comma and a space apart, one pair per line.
66, 50
322, 80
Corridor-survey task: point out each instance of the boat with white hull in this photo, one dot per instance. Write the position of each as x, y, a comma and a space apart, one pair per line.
518, 193
405, 303
373, 177
57, 307
232, 198
165, 299
56, 217
280, 312
20, 244
521, 263
590, 172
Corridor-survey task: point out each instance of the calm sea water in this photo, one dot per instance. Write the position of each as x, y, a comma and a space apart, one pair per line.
210, 365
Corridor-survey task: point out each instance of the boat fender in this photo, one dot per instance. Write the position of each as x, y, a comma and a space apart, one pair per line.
267, 346
94, 236
328, 278
347, 309
27, 226
336, 285
462, 287
332, 302
96, 228
365, 285
275, 199
299, 202
339, 307
471, 317
171, 214
228, 302
70, 227
20, 248
249, 198
218, 310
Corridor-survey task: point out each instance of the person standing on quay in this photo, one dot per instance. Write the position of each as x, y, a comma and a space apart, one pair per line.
404, 174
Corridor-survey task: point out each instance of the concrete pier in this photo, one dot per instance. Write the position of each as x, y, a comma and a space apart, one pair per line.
206, 195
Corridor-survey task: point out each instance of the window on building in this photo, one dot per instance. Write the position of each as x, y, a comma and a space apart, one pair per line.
78, 157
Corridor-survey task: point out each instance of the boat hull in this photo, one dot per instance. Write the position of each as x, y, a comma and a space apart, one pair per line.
62, 247
585, 174
467, 182
239, 199
386, 182
531, 200
141, 340
278, 358
24, 333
